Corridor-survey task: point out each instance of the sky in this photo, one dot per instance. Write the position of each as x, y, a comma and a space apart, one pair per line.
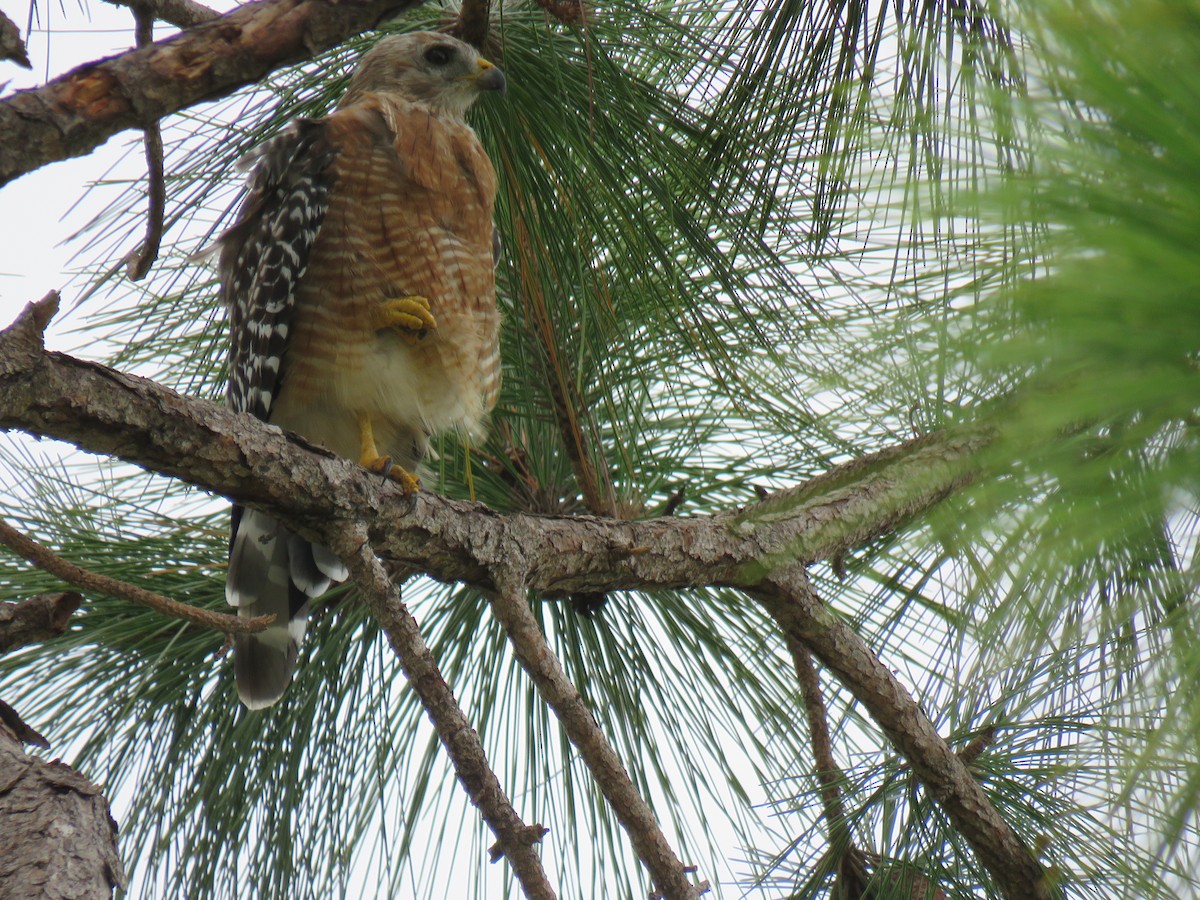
41, 210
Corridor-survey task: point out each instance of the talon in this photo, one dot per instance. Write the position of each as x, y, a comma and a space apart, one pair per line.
408, 482
408, 316
369, 458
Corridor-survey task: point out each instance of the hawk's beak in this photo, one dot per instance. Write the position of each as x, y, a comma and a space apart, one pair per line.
489, 78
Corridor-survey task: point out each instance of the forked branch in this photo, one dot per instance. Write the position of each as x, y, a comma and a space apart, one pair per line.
761, 550
515, 839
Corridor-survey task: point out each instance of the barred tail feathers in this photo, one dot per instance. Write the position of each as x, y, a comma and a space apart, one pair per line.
273, 572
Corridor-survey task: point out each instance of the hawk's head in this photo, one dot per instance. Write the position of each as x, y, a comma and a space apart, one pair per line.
433, 69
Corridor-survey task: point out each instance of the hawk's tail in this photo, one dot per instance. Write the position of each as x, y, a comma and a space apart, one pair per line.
272, 572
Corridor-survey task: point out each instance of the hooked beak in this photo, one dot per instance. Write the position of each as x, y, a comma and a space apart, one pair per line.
489, 78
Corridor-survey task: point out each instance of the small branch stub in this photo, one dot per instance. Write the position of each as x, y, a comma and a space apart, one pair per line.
531, 834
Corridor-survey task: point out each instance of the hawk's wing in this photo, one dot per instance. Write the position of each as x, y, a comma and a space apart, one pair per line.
263, 258
265, 254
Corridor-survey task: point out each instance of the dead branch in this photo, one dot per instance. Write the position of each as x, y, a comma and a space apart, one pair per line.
76, 113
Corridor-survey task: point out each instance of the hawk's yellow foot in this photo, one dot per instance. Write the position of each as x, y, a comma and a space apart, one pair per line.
408, 316
369, 458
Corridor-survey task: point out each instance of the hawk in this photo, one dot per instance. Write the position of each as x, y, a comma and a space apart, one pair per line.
360, 281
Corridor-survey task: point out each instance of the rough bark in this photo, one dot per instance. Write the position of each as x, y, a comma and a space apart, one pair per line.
203, 443
36, 619
761, 550
58, 837
74, 114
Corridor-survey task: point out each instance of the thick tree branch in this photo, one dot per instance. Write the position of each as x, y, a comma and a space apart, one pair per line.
58, 836
73, 114
36, 619
804, 618
515, 839
318, 493
761, 550
180, 13
90, 581
510, 605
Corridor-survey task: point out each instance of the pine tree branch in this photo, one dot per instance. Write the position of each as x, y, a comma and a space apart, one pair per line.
761, 550
140, 260
111, 413
515, 839
510, 604
850, 862
73, 114
11, 45
35, 553
180, 13
804, 618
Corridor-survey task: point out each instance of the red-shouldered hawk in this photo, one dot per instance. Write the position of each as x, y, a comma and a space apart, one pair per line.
360, 282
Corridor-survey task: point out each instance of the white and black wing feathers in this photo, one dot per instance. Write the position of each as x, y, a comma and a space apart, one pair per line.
263, 258
265, 254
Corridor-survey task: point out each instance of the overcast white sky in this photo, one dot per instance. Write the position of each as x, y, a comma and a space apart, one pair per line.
40, 210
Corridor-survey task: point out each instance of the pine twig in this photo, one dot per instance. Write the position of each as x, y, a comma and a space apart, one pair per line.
44, 559
851, 863
511, 608
515, 839
140, 260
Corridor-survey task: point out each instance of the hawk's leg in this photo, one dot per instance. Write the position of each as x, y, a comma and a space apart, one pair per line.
407, 315
369, 458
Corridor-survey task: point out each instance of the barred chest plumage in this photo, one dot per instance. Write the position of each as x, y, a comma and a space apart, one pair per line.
409, 216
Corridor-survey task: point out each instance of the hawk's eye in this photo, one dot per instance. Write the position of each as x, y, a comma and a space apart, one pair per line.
439, 54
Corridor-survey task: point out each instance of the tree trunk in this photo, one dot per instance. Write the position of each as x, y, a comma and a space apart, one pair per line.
58, 837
